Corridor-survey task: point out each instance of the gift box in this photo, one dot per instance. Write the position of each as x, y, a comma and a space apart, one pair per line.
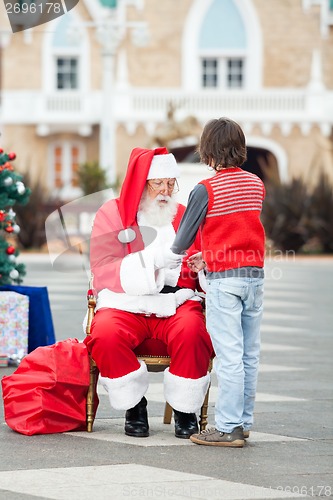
3, 360
41, 330
14, 325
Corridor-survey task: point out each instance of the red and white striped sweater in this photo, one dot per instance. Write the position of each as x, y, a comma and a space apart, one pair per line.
233, 235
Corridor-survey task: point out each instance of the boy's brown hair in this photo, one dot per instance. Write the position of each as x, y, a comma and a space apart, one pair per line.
222, 144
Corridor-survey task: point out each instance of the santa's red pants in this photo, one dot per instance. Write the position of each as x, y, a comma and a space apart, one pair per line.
115, 334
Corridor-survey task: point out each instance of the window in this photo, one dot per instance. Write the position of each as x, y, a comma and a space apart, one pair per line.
210, 73
65, 158
222, 30
57, 166
223, 46
74, 165
223, 72
66, 56
67, 73
235, 73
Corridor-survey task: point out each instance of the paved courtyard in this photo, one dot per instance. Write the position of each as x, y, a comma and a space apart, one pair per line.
289, 453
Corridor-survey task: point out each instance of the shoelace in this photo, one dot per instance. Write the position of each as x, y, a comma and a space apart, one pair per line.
211, 430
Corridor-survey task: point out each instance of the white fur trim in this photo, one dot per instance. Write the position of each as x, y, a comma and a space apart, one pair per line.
126, 392
185, 394
183, 295
137, 273
163, 167
202, 280
161, 304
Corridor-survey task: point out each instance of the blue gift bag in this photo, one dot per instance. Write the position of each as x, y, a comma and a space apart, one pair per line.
41, 330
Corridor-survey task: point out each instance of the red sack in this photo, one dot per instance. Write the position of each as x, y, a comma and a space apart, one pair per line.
47, 392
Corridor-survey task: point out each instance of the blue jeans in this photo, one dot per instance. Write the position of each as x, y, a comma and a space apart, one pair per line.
234, 308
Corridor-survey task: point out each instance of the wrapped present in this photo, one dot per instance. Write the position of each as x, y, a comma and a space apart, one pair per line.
41, 330
3, 360
14, 326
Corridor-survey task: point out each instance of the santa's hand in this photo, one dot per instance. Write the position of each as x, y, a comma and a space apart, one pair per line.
166, 258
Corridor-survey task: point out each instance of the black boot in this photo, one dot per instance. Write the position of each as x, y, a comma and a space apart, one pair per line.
186, 424
136, 420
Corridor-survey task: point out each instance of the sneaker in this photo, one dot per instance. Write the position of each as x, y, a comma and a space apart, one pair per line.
246, 434
213, 437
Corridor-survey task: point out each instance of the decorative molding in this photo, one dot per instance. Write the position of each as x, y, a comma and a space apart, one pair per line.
150, 127
5, 38
27, 36
326, 129
247, 127
85, 130
305, 128
286, 128
266, 127
42, 130
130, 126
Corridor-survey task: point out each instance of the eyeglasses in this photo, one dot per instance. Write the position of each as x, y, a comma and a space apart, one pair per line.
160, 185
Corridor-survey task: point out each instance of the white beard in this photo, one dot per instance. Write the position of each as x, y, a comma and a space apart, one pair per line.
156, 214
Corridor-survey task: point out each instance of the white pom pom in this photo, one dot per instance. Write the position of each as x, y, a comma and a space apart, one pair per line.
20, 187
8, 181
14, 274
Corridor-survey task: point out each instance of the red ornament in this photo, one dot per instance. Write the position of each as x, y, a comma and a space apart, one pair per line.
2, 215
10, 250
12, 156
1, 150
9, 229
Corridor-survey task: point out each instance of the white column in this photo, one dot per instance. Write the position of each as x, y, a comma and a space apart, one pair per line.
107, 156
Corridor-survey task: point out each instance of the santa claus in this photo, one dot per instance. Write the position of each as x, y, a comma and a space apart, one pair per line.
145, 291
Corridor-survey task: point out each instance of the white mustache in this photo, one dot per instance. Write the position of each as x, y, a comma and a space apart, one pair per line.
162, 197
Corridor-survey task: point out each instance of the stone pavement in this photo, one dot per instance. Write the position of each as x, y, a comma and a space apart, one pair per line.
289, 453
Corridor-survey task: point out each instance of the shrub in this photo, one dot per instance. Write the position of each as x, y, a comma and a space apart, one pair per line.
91, 177
321, 213
299, 218
31, 217
285, 214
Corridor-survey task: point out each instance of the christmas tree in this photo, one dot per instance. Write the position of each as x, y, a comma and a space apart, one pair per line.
12, 190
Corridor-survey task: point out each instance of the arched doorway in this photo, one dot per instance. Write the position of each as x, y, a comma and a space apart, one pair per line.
263, 163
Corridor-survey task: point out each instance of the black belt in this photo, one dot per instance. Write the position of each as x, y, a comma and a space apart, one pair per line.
170, 289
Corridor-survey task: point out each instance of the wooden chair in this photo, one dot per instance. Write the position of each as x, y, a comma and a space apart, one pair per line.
153, 353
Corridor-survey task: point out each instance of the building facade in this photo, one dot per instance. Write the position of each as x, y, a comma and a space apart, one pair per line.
106, 77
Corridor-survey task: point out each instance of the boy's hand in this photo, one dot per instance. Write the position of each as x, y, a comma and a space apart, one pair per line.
195, 262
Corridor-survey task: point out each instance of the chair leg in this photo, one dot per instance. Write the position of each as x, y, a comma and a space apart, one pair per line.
204, 412
167, 414
91, 395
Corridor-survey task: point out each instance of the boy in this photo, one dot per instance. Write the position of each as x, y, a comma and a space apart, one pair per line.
228, 208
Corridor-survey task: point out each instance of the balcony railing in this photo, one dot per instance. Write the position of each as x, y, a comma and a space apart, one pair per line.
64, 103
208, 102
150, 105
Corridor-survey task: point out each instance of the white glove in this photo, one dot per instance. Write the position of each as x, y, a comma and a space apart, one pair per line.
166, 258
